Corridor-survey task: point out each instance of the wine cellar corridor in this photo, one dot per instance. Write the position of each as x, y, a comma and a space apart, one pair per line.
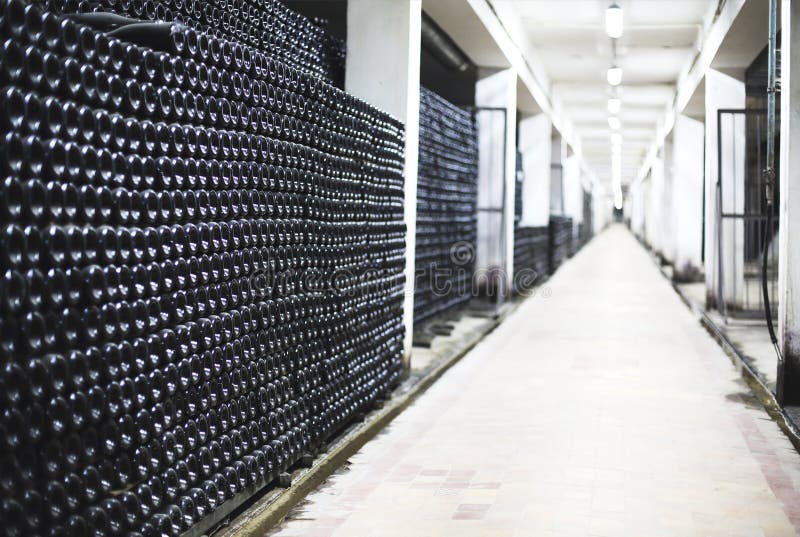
431, 268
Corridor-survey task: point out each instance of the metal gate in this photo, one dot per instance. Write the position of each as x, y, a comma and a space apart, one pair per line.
742, 214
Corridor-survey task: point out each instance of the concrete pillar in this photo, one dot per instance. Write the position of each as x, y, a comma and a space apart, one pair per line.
666, 245
558, 150
633, 208
789, 243
497, 152
687, 198
647, 209
573, 190
602, 205
387, 33
655, 206
535, 141
724, 281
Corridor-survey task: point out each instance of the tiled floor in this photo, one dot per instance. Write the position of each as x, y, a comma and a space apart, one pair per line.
600, 407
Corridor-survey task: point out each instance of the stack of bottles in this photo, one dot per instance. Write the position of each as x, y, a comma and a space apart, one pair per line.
530, 243
266, 26
201, 253
585, 227
561, 239
446, 206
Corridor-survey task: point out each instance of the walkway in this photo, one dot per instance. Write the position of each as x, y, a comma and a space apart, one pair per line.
603, 409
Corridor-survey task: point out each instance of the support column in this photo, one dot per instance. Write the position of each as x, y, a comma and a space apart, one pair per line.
666, 232
655, 205
687, 198
724, 92
383, 62
557, 158
497, 150
573, 190
535, 140
789, 243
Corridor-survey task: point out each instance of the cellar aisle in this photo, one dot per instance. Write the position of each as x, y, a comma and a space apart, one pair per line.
601, 407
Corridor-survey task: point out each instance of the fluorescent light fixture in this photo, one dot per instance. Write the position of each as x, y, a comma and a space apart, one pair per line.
616, 139
614, 75
614, 21
614, 105
614, 123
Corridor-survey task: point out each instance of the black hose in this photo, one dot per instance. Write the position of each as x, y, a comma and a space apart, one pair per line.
764, 290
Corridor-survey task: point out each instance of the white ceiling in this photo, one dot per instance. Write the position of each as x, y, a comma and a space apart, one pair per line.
658, 42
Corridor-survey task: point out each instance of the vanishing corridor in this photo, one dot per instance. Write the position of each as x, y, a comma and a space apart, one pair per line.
602, 409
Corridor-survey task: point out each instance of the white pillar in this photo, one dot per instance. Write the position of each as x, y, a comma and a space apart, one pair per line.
383, 62
573, 190
724, 92
602, 205
535, 141
687, 198
558, 156
497, 152
647, 209
655, 208
667, 233
789, 243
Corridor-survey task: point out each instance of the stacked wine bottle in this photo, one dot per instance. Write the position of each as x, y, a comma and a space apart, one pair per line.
201, 253
561, 240
585, 227
266, 26
446, 206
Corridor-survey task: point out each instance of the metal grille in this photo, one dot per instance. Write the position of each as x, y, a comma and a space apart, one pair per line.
742, 214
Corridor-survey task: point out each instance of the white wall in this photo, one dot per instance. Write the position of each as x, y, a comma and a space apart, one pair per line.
535, 141
389, 34
724, 92
687, 196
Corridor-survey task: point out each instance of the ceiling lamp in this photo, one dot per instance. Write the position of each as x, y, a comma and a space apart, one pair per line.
614, 123
614, 75
614, 105
614, 21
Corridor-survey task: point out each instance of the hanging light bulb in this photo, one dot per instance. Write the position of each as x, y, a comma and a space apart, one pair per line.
614, 75
614, 123
614, 105
614, 21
